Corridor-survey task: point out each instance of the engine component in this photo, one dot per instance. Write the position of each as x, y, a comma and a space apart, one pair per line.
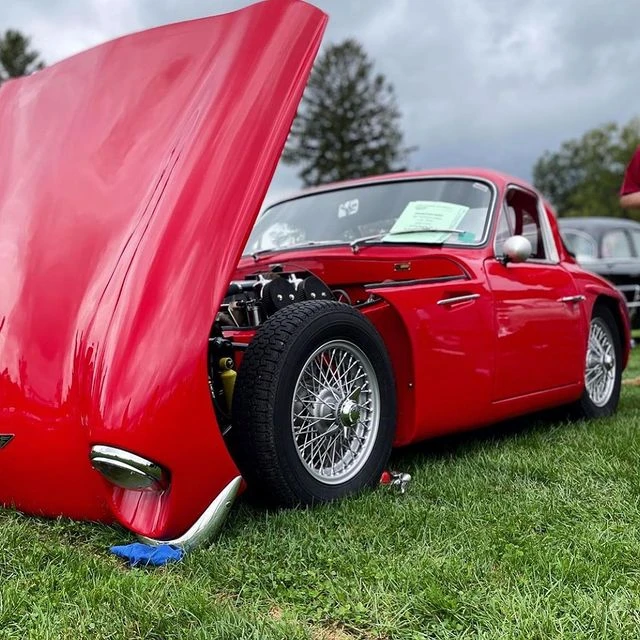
228, 378
251, 301
342, 296
277, 294
239, 287
222, 374
314, 289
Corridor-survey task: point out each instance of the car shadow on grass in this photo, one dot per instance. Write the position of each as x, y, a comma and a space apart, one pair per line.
541, 422
464, 442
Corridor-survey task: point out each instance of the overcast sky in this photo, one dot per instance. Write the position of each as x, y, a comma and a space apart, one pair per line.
480, 82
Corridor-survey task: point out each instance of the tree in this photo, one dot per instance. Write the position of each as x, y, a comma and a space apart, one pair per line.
583, 178
16, 56
348, 123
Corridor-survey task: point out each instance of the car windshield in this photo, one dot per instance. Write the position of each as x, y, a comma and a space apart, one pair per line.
430, 211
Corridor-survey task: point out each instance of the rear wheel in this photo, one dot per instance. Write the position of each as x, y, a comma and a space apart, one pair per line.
314, 405
603, 367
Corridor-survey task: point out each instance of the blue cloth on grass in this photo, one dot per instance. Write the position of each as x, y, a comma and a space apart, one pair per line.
138, 553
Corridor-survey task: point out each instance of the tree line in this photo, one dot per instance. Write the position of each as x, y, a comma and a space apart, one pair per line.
584, 176
17, 58
349, 126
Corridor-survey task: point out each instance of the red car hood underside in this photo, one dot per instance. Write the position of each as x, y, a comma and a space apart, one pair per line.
131, 176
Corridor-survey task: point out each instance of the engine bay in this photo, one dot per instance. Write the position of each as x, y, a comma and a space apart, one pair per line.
251, 301
248, 303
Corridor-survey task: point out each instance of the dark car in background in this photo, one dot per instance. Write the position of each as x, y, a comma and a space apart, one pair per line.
609, 247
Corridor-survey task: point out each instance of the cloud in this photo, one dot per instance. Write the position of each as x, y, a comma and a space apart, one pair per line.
480, 82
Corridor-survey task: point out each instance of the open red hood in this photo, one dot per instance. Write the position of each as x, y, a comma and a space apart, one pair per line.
130, 178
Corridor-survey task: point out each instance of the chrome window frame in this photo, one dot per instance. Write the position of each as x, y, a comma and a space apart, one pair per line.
551, 248
482, 243
548, 240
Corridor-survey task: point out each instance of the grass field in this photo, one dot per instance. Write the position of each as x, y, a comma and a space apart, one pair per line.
530, 530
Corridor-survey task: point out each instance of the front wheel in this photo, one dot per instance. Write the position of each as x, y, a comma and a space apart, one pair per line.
603, 367
314, 405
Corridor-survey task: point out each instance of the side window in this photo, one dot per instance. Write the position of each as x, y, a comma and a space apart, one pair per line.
521, 216
531, 230
615, 244
635, 237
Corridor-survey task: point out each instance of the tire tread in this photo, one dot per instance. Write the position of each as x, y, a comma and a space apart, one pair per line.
252, 440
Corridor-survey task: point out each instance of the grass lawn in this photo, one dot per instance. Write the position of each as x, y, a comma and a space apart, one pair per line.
530, 530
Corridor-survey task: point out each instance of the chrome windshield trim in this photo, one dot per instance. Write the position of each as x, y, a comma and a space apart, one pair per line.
207, 525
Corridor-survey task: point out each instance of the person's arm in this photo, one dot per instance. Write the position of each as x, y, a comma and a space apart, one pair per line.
630, 200
630, 190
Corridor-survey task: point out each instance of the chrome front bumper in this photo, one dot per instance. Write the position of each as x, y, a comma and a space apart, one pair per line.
130, 471
208, 524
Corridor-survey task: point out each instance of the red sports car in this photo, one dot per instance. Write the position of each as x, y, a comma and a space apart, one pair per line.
158, 345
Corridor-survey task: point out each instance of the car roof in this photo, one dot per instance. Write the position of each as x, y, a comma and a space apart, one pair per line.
598, 223
498, 178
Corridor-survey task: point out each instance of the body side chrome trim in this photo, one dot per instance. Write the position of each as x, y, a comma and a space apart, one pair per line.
208, 524
456, 299
408, 283
579, 298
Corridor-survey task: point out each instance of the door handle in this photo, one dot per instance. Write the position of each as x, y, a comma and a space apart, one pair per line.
572, 299
456, 299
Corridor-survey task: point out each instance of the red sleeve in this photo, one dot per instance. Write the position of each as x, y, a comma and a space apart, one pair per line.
631, 182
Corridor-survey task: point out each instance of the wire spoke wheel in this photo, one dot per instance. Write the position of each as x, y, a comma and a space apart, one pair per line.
601, 363
314, 405
335, 412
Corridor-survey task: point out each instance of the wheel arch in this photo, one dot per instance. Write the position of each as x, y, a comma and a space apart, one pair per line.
395, 335
621, 318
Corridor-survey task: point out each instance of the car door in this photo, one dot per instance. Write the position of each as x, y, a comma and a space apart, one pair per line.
538, 312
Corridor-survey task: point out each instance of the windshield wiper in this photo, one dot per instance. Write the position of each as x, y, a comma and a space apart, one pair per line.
301, 245
354, 244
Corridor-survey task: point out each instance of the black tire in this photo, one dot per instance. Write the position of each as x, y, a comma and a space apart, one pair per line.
262, 439
586, 407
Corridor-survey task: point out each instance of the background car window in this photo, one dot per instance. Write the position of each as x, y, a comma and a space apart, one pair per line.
635, 238
582, 246
520, 216
615, 244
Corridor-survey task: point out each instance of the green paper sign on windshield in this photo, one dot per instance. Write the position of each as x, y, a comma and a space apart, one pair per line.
426, 214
